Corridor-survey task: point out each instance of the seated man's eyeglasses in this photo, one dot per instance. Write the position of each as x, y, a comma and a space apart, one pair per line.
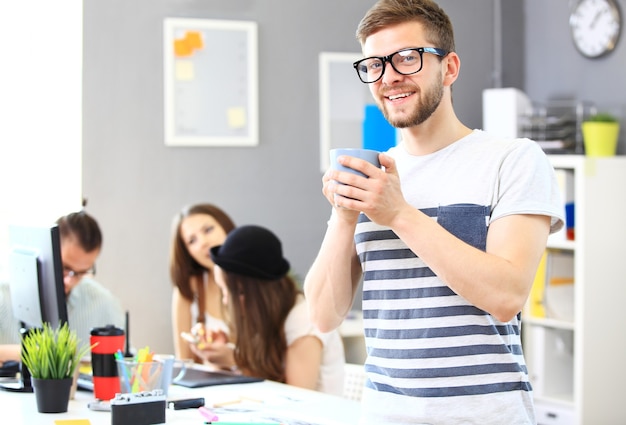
73, 274
405, 62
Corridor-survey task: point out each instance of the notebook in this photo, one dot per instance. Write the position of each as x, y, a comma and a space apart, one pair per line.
195, 378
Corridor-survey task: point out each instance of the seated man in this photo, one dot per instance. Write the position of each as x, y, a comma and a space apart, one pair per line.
89, 304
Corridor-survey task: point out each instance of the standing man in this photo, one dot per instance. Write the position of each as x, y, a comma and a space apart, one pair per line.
89, 304
446, 237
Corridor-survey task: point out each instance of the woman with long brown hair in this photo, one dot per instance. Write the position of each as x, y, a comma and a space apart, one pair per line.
268, 316
196, 300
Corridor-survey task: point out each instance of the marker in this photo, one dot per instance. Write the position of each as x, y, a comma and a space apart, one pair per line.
186, 403
207, 414
119, 356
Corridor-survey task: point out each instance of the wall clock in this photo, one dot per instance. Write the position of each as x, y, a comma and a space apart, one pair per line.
595, 26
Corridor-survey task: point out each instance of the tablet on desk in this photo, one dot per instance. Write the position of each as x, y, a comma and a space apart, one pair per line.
195, 378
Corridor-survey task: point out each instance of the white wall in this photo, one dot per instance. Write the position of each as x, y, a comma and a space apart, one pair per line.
40, 112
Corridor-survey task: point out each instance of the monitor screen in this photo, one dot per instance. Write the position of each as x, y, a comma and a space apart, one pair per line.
36, 275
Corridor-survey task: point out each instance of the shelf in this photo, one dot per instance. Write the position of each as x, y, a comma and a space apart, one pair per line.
549, 323
554, 243
567, 161
572, 356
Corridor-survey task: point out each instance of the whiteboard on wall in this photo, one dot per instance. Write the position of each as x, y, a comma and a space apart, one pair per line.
210, 82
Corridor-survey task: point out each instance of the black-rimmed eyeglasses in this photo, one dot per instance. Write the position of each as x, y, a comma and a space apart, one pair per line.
72, 274
405, 62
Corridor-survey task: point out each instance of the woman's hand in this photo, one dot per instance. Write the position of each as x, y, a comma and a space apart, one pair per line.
213, 347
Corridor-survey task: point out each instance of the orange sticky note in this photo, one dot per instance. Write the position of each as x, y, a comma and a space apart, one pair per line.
182, 48
194, 39
72, 422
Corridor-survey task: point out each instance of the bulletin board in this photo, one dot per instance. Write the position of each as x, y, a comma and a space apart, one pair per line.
210, 82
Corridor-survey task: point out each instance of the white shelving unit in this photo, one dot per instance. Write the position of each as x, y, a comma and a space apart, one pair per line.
351, 331
576, 365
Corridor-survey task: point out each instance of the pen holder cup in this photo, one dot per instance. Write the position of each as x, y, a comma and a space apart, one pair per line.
173, 369
138, 376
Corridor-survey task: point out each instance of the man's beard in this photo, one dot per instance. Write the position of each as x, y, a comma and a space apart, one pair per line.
428, 105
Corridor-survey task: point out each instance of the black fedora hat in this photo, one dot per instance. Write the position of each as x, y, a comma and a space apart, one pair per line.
252, 251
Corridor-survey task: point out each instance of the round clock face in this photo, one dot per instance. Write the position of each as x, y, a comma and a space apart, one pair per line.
595, 26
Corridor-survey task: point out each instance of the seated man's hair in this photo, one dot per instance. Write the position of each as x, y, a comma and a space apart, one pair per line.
83, 227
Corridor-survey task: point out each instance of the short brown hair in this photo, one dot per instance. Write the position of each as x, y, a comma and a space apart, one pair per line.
437, 24
83, 227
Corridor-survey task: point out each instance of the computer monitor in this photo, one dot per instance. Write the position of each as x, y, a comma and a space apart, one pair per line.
36, 275
36, 282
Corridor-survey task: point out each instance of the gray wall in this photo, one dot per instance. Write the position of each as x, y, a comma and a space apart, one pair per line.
135, 184
555, 70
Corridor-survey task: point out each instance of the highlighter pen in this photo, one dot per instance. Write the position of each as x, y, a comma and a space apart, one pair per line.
207, 414
119, 356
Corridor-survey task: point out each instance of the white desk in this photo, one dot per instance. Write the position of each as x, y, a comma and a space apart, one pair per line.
292, 404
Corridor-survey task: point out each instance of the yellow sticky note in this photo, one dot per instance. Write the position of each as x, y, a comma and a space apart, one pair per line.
72, 422
184, 70
236, 117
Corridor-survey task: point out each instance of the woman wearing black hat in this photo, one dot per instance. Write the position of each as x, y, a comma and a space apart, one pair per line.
268, 316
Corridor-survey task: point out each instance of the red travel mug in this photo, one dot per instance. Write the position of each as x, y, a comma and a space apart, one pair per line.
108, 340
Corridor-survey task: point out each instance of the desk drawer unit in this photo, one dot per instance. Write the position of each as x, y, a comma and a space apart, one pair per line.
551, 414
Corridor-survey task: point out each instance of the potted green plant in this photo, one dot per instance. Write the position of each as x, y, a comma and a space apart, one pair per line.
600, 134
52, 356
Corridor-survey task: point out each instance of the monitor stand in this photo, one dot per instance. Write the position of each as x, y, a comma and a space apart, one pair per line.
23, 385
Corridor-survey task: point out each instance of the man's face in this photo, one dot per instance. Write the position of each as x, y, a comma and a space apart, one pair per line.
76, 262
405, 100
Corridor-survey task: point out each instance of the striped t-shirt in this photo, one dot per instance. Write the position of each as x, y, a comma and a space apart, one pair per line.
434, 358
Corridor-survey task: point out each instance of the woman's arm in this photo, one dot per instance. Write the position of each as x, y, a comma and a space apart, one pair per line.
10, 352
302, 365
181, 322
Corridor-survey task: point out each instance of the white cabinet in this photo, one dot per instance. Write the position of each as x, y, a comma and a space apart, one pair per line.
576, 347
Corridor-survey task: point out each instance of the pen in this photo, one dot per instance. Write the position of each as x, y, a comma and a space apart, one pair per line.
119, 356
141, 358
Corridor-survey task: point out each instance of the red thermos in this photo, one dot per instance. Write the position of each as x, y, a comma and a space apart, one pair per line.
108, 340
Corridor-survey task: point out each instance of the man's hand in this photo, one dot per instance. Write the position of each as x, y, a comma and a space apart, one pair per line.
379, 196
